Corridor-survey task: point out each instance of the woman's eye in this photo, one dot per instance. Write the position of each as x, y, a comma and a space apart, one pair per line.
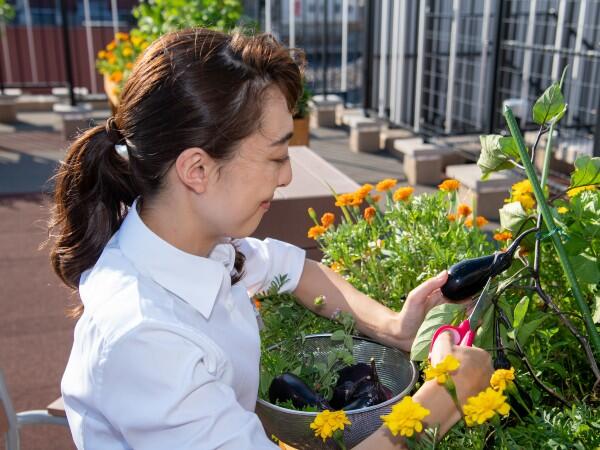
282, 160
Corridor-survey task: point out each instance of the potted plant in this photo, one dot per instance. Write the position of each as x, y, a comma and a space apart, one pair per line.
301, 118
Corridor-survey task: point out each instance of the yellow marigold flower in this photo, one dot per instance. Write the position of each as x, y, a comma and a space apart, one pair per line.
336, 267
484, 406
481, 221
449, 185
562, 210
116, 77
121, 36
502, 378
327, 422
451, 217
344, 199
369, 214
327, 219
144, 45
573, 192
527, 200
111, 58
504, 236
136, 40
386, 185
356, 200
403, 193
463, 210
441, 371
522, 187
405, 417
102, 54
127, 51
111, 46
316, 231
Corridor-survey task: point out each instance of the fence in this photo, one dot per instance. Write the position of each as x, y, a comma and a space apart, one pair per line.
439, 67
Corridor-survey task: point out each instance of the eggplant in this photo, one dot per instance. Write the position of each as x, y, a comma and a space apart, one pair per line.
469, 276
289, 387
358, 387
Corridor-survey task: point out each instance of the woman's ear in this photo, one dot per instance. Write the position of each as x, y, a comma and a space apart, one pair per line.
193, 167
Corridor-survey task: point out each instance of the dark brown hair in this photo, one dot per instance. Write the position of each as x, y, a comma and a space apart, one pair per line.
192, 88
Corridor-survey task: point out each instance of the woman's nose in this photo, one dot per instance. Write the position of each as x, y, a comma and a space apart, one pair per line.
285, 175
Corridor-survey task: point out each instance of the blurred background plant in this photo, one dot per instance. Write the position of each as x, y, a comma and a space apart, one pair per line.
7, 11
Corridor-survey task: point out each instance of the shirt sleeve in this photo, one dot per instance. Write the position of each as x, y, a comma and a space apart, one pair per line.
265, 260
160, 389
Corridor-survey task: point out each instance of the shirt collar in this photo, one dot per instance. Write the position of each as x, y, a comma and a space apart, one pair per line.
195, 279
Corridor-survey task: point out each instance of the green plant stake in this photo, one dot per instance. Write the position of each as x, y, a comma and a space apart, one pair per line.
549, 220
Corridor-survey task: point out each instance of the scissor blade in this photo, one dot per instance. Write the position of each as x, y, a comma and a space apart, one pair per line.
483, 303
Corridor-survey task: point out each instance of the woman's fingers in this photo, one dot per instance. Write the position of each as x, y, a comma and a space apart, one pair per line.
423, 290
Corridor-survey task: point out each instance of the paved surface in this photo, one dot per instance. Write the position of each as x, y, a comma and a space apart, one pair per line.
35, 333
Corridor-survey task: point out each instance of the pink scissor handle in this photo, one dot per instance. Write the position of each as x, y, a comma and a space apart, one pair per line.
461, 334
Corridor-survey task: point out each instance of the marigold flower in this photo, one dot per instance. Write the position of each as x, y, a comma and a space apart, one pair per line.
376, 197
327, 219
257, 303
386, 185
111, 46
136, 40
121, 36
356, 199
484, 406
144, 45
369, 214
316, 231
129, 66
527, 201
575, 191
405, 417
112, 59
449, 185
344, 199
522, 187
127, 51
327, 422
441, 371
481, 221
463, 210
562, 210
503, 236
336, 267
502, 378
451, 217
364, 190
102, 54
403, 193
116, 77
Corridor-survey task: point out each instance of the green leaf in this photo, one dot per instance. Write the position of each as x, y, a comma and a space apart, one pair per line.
520, 311
513, 216
596, 317
338, 335
445, 314
550, 107
587, 171
586, 268
575, 244
527, 329
497, 153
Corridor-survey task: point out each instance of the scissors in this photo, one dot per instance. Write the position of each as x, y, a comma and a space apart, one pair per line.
465, 332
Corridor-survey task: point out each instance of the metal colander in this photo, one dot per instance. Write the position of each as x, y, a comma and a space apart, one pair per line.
396, 371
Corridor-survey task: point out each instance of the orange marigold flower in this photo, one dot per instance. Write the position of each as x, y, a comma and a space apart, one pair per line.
316, 231
403, 193
369, 214
376, 197
336, 267
112, 59
327, 219
257, 303
469, 222
464, 210
129, 66
344, 199
386, 185
504, 236
116, 77
121, 36
451, 217
481, 221
111, 46
364, 190
102, 54
449, 185
356, 200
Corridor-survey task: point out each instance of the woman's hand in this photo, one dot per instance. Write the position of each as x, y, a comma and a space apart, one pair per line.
419, 301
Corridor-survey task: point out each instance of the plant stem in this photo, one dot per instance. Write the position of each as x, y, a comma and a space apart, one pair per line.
549, 220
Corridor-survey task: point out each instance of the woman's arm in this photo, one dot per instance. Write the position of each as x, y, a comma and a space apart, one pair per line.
372, 318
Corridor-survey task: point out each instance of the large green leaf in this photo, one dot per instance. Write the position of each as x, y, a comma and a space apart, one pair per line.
512, 217
497, 153
520, 311
446, 314
587, 171
550, 107
586, 267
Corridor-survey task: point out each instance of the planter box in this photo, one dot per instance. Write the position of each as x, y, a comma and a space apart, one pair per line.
301, 131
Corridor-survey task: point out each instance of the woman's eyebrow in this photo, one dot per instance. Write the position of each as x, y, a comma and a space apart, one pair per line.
284, 139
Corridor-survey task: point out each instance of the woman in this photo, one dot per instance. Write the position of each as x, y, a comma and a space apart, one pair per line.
151, 217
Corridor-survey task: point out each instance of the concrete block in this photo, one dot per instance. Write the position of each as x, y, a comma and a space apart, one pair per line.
389, 135
364, 139
425, 170
342, 114
35, 103
8, 109
322, 117
74, 119
490, 194
63, 92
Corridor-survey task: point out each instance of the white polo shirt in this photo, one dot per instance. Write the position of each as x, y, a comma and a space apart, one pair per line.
166, 353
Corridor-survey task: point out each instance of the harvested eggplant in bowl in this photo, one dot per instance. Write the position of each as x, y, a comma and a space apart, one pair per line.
378, 377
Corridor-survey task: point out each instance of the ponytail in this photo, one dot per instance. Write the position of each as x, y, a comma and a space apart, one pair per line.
93, 187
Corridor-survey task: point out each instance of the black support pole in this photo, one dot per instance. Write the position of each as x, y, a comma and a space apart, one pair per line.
67, 50
368, 54
325, 42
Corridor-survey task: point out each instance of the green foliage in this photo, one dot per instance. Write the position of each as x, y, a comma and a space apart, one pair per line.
302, 108
587, 172
446, 314
497, 153
7, 11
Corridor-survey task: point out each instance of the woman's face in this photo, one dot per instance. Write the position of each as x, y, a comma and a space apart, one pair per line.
245, 186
